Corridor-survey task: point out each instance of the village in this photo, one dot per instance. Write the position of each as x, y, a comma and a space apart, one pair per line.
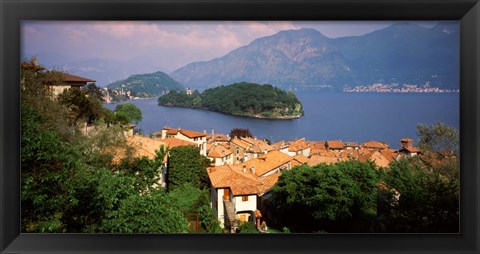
244, 170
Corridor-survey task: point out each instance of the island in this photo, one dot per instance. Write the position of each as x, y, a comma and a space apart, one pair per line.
239, 99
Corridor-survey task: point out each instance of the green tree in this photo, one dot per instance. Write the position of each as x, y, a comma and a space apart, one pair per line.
247, 228
147, 172
429, 199
80, 106
116, 206
240, 133
47, 164
130, 110
94, 91
193, 202
438, 136
187, 166
326, 196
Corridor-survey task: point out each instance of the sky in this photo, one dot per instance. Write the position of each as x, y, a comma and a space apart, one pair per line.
167, 44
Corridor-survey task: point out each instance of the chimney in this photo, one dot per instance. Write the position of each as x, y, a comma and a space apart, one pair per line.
244, 169
253, 169
213, 131
204, 131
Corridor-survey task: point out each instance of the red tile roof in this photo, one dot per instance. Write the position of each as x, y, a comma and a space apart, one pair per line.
192, 134
257, 146
297, 145
301, 158
72, 78
406, 140
240, 143
268, 182
175, 142
229, 176
317, 159
267, 162
218, 151
278, 145
334, 144
375, 145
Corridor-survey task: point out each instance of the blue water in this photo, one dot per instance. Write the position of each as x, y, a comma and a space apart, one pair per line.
357, 117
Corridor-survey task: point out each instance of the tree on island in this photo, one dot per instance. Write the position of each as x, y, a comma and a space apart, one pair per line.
240, 133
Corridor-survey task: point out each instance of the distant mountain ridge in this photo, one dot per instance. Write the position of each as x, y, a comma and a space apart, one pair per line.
305, 59
147, 85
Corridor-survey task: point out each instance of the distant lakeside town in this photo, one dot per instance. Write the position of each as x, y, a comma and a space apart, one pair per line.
397, 88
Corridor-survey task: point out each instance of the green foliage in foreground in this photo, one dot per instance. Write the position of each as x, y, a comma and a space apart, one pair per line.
248, 228
437, 137
70, 184
429, 199
187, 166
307, 199
244, 99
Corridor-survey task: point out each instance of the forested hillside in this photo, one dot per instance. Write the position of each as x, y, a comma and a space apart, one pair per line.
242, 99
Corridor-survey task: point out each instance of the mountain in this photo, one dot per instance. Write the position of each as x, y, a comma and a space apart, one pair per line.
305, 59
147, 85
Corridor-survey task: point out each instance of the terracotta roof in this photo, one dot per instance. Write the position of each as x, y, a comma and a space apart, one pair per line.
218, 151
375, 145
31, 66
217, 138
267, 162
172, 131
175, 142
192, 134
142, 147
350, 144
329, 153
72, 78
297, 145
379, 159
334, 144
229, 176
316, 145
317, 159
278, 145
268, 182
301, 158
389, 154
257, 146
350, 153
240, 143
406, 140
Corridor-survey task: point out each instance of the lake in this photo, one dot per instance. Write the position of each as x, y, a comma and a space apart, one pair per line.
357, 117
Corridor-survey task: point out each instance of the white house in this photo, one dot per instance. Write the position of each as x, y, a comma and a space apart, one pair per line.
196, 137
234, 195
220, 155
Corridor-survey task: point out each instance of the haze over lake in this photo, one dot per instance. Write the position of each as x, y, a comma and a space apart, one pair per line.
355, 117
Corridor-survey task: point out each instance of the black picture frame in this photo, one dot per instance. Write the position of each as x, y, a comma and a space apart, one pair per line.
13, 12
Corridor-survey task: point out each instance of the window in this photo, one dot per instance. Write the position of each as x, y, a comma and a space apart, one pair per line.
238, 150
244, 198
